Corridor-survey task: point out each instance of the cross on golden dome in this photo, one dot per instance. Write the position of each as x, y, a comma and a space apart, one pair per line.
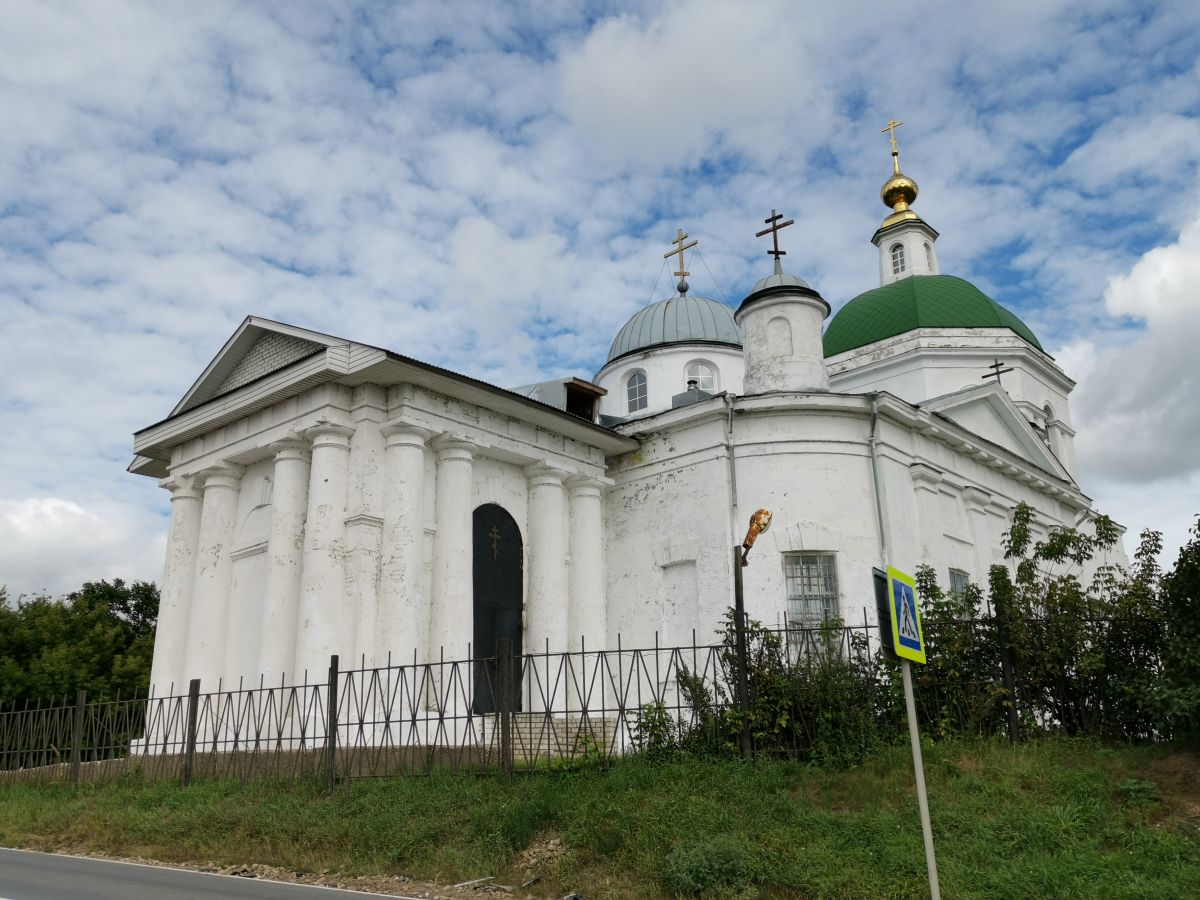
891, 126
899, 191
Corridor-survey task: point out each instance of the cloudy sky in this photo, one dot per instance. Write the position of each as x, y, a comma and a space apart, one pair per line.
491, 186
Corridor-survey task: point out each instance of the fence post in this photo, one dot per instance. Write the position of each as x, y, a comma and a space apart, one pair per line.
77, 736
1007, 669
743, 661
504, 675
189, 749
331, 726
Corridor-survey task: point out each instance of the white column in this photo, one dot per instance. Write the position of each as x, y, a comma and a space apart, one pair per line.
402, 624
925, 481
325, 626
175, 603
211, 581
587, 616
451, 603
364, 521
281, 595
546, 606
976, 502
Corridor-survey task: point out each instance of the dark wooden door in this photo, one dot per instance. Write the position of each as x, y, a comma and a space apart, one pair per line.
498, 572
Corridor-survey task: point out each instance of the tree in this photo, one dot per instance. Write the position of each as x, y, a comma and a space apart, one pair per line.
1181, 599
99, 639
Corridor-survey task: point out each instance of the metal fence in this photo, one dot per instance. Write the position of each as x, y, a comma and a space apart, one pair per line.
490, 714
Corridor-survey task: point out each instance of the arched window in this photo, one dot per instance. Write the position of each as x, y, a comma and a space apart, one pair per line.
897, 258
1048, 412
703, 375
928, 257
635, 390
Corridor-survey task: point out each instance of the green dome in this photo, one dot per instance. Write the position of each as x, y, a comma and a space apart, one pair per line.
919, 301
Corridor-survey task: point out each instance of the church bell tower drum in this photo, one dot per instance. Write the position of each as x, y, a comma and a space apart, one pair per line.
781, 326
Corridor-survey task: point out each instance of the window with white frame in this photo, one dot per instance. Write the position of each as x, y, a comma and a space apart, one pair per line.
703, 375
929, 258
959, 580
812, 587
897, 258
635, 390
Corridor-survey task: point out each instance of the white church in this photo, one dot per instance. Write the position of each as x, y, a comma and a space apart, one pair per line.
332, 497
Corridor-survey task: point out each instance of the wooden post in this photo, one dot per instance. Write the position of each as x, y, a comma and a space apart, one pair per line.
331, 726
743, 661
1007, 669
189, 750
504, 674
77, 736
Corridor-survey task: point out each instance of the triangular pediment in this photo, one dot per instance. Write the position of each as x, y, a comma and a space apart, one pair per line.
258, 348
988, 411
266, 362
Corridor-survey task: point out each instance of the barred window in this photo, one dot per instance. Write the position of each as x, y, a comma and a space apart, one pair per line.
812, 587
958, 582
636, 391
897, 258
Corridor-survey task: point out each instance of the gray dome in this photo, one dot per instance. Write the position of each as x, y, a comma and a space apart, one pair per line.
779, 279
678, 320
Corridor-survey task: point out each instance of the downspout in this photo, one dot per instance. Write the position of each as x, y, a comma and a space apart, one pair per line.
733, 498
876, 483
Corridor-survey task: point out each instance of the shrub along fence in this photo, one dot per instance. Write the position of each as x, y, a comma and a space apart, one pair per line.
498, 713
821, 693
1042, 652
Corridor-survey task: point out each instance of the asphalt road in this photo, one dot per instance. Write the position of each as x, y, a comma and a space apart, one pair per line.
25, 875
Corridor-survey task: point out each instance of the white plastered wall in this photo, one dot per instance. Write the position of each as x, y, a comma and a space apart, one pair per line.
665, 369
932, 362
807, 459
504, 451
920, 254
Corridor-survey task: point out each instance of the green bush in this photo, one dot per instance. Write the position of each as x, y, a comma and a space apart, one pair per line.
654, 732
1181, 611
99, 639
708, 864
1113, 658
819, 702
1088, 659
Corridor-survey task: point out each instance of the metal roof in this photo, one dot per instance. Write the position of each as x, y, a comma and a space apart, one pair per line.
779, 279
919, 301
677, 320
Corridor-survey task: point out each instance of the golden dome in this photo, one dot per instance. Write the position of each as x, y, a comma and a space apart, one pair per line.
898, 192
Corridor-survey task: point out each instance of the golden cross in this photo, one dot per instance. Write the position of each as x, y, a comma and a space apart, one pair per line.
775, 224
680, 237
891, 126
494, 534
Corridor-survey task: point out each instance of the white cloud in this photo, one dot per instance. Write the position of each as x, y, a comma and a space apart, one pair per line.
1136, 406
430, 177
664, 92
53, 545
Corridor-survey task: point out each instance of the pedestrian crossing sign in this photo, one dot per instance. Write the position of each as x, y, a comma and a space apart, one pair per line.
907, 637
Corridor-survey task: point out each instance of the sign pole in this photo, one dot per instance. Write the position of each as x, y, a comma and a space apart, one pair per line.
914, 737
743, 656
905, 640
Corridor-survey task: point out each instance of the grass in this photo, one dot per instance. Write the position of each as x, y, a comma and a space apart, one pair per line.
1056, 819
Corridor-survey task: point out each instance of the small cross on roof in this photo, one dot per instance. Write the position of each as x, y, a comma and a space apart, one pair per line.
773, 230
